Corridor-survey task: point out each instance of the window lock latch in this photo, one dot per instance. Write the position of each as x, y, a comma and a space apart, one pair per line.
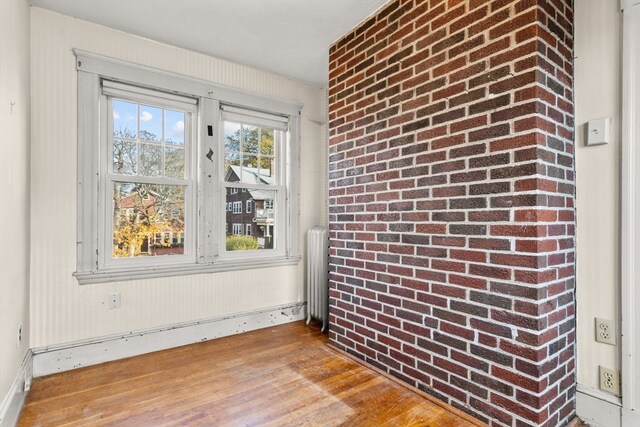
209, 155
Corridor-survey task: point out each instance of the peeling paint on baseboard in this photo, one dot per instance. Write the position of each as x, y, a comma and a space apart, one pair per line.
49, 360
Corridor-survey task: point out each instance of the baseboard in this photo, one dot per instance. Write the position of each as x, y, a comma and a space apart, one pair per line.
13, 402
598, 409
72, 355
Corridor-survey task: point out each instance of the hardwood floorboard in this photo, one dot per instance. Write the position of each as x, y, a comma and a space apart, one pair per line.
280, 376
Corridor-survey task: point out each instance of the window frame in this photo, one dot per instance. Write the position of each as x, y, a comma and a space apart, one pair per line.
262, 120
135, 95
209, 253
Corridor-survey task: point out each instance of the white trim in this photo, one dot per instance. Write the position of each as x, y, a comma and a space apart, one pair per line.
624, 4
630, 418
72, 355
630, 209
596, 408
88, 159
152, 272
12, 404
189, 86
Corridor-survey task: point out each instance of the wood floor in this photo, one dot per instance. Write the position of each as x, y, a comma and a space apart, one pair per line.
280, 376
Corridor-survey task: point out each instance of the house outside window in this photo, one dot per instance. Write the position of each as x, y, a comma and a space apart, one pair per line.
148, 181
145, 196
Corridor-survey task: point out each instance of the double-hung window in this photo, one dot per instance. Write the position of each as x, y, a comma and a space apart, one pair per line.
254, 143
166, 163
148, 180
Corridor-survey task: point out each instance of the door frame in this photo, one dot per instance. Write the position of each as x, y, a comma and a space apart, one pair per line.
630, 211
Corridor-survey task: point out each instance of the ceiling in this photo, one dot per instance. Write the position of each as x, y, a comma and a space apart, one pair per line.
287, 37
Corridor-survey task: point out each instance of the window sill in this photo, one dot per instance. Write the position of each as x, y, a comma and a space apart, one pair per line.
152, 272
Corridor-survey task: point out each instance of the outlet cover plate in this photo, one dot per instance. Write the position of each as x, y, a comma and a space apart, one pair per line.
114, 300
605, 332
609, 380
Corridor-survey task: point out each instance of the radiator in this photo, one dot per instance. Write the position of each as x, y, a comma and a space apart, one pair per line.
317, 275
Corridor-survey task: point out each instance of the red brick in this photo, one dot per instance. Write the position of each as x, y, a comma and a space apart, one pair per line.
451, 201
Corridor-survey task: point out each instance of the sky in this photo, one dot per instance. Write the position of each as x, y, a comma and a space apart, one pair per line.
125, 115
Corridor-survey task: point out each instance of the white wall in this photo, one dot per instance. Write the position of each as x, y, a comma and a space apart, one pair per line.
64, 311
597, 94
14, 175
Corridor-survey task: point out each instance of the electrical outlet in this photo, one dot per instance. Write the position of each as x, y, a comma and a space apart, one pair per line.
114, 300
605, 332
19, 335
610, 380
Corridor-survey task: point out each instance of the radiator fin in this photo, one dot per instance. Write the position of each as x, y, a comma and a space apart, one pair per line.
317, 275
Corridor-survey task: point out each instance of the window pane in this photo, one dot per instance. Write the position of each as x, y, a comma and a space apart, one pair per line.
144, 152
250, 139
148, 220
150, 123
174, 162
125, 116
150, 160
232, 167
266, 142
231, 137
267, 168
253, 219
174, 127
250, 153
125, 157
250, 162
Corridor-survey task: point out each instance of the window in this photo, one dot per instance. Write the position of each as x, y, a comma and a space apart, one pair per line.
148, 181
253, 148
147, 198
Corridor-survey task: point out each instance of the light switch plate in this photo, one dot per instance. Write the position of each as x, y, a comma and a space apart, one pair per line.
598, 131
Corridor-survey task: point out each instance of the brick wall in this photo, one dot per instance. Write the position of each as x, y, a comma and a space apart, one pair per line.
452, 203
